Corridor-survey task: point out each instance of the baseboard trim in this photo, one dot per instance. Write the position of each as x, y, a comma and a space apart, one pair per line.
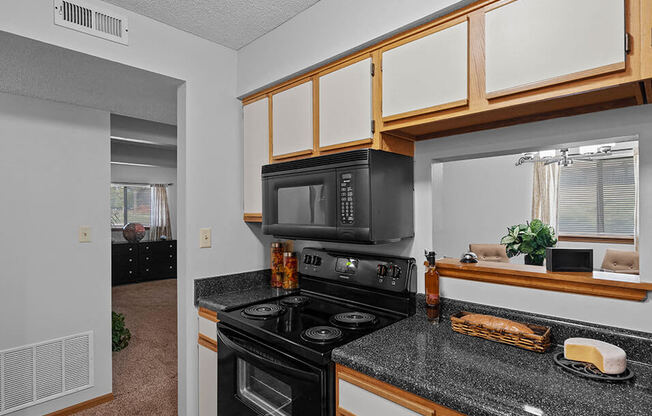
83, 405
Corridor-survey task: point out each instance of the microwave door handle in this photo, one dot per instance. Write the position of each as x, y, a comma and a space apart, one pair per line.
284, 367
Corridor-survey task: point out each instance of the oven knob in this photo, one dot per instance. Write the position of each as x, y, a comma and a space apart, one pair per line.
396, 272
307, 259
316, 260
381, 270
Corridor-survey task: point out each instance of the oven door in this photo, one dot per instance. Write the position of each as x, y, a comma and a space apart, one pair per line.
256, 380
301, 205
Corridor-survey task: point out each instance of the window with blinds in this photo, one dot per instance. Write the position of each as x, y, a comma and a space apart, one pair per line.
597, 198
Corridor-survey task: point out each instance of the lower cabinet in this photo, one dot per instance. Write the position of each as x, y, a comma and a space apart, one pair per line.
207, 367
361, 395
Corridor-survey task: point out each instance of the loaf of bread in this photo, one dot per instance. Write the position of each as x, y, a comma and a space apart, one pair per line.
500, 324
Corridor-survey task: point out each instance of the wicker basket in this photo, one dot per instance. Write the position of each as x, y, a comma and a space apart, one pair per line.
538, 342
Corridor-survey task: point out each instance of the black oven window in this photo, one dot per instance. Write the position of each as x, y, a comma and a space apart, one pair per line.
262, 392
302, 205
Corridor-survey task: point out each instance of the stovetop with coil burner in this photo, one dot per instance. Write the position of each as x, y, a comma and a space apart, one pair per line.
343, 297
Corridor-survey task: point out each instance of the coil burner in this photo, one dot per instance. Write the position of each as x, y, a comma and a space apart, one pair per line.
295, 301
263, 311
590, 371
321, 334
353, 320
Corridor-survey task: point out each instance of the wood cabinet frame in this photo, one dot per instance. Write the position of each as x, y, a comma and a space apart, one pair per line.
353, 143
598, 89
427, 32
603, 70
301, 153
387, 391
537, 277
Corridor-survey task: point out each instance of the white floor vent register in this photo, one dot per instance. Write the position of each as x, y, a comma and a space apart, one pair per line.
36, 373
87, 17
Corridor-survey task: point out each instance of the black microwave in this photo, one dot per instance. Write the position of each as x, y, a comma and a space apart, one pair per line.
362, 196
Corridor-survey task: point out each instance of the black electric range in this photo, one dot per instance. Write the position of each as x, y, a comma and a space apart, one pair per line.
274, 355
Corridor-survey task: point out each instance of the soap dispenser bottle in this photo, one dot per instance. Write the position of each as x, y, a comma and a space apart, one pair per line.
432, 287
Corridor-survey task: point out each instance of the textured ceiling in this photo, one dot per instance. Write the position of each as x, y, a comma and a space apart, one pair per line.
232, 23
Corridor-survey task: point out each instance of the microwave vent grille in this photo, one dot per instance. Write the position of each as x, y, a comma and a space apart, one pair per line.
344, 157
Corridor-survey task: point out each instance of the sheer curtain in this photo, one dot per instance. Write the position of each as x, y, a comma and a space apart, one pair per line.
160, 215
545, 191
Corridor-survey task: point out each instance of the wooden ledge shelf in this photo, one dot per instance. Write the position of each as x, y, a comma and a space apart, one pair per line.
537, 277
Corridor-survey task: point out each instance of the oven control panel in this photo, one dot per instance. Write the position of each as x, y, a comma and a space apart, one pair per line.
396, 274
347, 214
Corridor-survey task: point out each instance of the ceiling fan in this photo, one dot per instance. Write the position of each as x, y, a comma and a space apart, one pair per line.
564, 158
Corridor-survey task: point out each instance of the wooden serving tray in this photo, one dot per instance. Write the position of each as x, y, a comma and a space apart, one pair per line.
538, 342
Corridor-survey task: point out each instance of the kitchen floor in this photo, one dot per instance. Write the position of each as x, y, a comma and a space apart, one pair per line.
145, 373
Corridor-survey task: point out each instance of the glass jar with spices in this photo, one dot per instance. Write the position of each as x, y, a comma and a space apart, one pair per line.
277, 264
290, 271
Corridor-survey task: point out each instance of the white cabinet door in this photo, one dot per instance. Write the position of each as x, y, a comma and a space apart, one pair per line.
361, 402
427, 72
256, 152
207, 382
292, 120
530, 41
345, 112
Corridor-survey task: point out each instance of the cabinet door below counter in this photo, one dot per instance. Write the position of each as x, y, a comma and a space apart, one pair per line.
361, 395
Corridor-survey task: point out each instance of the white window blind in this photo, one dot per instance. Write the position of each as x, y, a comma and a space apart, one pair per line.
597, 197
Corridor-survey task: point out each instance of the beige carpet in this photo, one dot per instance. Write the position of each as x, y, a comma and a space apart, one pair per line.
145, 373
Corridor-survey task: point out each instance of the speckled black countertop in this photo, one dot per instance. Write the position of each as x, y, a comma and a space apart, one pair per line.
221, 292
480, 377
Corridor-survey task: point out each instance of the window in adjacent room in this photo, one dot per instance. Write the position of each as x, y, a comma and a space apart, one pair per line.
130, 203
598, 198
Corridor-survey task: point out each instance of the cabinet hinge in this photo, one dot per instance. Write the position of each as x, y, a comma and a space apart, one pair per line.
373, 69
373, 126
627, 43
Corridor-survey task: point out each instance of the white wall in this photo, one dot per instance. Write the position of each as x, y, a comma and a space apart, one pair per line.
482, 198
209, 156
325, 31
54, 165
528, 137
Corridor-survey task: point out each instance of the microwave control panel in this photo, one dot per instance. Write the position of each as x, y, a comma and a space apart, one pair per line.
347, 214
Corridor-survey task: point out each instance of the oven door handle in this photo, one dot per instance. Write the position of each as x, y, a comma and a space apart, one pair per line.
282, 367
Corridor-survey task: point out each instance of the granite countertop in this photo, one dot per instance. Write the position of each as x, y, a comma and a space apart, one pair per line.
221, 292
479, 377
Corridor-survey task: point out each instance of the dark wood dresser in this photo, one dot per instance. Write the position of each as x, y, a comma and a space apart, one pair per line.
144, 261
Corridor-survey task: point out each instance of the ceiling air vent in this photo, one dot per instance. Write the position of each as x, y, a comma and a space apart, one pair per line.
87, 17
36, 373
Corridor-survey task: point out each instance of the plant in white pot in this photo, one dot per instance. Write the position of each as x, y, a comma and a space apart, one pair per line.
530, 239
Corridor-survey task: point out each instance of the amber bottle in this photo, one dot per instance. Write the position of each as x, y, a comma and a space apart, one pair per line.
432, 288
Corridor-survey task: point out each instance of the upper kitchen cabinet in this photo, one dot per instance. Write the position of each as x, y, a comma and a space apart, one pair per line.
256, 154
426, 73
536, 43
345, 106
292, 121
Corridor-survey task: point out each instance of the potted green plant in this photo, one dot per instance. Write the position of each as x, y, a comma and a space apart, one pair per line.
121, 334
530, 239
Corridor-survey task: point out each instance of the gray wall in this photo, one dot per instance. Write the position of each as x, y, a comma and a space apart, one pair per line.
54, 165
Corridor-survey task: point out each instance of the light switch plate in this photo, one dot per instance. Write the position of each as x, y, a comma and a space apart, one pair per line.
204, 238
84, 234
